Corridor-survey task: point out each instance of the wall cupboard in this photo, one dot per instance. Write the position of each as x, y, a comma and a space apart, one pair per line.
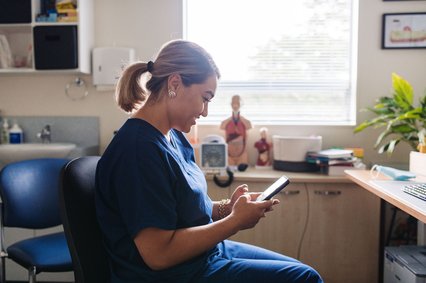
29, 46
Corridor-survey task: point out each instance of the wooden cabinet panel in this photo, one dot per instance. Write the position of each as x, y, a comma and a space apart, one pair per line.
342, 235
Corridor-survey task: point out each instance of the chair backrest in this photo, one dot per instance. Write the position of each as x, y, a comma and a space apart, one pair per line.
77, 199
29, 190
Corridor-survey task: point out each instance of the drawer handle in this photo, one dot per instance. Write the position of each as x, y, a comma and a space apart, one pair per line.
291, 193
328, 193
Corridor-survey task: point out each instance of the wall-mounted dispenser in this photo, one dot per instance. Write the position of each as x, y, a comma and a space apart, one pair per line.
107, 64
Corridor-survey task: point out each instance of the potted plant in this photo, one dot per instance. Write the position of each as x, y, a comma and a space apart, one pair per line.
400, 119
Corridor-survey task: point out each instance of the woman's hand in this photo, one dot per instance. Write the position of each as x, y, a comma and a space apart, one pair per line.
247, 211
239, 191
244, 207
242, 190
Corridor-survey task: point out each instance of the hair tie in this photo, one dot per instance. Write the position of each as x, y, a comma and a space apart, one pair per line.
150, 66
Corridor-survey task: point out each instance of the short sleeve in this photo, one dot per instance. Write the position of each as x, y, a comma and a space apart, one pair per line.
144, 191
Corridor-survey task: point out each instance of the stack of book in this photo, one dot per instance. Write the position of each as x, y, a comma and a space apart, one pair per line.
334, 162
67, 10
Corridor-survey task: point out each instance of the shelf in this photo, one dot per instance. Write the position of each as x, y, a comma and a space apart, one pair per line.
17, 70
14, 71
55, 24
48, 48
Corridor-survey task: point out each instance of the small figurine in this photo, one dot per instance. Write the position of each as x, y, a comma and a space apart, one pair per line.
236, 128
263, 147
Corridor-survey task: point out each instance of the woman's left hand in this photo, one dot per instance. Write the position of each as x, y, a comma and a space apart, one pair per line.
242, 190
239, 191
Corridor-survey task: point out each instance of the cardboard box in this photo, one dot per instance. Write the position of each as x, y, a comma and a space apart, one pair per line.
418, 163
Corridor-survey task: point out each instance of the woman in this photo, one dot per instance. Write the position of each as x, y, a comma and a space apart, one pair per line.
158, 223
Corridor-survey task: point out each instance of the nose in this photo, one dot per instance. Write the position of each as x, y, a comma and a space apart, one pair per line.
205, 110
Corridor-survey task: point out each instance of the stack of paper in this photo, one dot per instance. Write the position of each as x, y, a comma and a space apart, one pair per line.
334, 162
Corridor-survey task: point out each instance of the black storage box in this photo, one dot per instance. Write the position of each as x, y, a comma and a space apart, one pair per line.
15, 11
55, 47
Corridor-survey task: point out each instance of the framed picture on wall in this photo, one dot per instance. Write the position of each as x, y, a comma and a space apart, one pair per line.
404, 31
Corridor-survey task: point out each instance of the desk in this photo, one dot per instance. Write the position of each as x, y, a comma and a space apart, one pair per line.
411, 205
392, 194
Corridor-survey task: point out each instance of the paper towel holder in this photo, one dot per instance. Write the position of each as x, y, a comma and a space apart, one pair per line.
107, 64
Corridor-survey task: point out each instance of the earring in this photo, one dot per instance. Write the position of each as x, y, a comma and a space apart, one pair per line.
172, 93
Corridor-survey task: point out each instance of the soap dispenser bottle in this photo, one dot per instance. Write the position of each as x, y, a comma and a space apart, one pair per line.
4, 134
15, 134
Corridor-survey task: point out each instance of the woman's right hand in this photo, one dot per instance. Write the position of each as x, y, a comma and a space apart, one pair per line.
247, 211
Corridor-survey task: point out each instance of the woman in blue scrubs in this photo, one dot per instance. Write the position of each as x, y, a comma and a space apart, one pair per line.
158, 223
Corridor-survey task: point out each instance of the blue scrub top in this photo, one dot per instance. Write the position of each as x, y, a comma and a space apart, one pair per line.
143, 180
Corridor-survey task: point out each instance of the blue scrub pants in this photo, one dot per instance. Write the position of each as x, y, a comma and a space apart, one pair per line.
237, 262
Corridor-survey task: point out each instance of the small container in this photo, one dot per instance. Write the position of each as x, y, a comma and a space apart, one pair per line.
16, 134
4, 134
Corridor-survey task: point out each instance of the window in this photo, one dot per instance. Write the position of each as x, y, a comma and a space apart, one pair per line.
291, 61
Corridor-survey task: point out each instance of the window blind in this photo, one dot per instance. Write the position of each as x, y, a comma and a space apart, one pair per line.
292, 62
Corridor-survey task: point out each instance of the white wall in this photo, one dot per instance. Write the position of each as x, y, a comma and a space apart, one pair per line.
146, 25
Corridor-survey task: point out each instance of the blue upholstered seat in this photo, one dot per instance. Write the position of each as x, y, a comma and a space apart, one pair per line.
30, 199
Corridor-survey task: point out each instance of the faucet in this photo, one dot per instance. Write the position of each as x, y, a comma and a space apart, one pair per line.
45, 134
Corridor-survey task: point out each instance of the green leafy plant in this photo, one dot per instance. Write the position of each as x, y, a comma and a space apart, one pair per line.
401, 120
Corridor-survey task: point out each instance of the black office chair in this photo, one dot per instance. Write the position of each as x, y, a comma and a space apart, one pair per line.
29, 190
81, 228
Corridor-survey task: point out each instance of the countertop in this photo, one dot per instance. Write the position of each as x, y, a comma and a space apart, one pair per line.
253, 174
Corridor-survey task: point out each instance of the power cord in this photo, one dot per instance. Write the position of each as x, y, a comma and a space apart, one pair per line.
226, 183
299, 248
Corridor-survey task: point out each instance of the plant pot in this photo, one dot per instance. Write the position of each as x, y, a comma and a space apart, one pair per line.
418, 163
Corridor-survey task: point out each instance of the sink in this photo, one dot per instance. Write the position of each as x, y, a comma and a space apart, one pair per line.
16, 152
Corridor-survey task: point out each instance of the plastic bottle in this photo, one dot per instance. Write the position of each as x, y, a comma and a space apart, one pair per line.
16, 134
4, 132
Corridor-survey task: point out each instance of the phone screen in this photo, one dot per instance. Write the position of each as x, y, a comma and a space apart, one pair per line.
273, 189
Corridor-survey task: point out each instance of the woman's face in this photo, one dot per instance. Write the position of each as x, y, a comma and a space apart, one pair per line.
192, 102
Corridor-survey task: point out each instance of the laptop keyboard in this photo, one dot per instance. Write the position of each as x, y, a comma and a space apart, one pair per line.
417, 190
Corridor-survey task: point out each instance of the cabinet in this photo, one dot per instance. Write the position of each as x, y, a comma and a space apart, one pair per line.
342, 235
331, 226
34, 46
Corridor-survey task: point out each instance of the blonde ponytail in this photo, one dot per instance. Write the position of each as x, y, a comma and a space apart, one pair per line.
129, 93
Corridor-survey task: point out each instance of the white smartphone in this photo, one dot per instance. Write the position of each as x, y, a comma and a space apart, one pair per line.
273, 189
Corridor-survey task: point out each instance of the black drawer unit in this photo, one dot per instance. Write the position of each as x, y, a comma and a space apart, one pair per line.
55, 47
15, 11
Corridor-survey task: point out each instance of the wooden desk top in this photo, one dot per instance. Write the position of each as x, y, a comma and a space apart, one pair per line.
390, 191
268, 175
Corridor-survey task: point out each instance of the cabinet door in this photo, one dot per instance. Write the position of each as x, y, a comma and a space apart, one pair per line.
281, 230
342, 235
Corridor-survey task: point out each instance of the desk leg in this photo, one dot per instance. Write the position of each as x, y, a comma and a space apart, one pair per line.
382, 238
421, 233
